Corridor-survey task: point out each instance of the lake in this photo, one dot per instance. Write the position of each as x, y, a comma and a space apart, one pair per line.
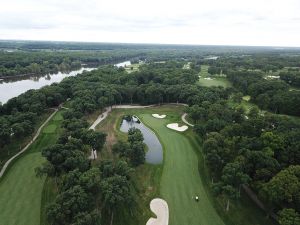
12, 88
154, 154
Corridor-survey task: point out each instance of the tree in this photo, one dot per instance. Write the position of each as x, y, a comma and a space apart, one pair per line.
254, 111
289, 217
233, 177
122, 148
85, 218
95, 139
238, 97
135, 135
272, 143
137, 153
116, 193
88, 180
284, 188
68, 205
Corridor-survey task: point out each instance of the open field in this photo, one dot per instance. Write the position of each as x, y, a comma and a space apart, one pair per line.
20, 189
213, 81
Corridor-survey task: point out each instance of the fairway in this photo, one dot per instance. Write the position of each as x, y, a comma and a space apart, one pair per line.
20, 192
208, 80
20, 189
180, 179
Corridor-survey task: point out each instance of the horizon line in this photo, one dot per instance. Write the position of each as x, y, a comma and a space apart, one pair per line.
149, 43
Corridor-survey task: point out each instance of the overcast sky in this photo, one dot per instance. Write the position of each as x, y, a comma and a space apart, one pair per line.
217, 22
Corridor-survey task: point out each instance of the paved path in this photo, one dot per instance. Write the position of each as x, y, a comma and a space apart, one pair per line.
107, 110
27, 146
183, 117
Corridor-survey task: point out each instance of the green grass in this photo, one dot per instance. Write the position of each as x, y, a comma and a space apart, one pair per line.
132, 68
50, 128
18, 143
20, 190
214, 81
180, 180
245, 103
48, 195
184, 175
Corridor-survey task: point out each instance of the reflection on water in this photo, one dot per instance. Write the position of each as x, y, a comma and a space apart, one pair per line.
10, 88
154, 154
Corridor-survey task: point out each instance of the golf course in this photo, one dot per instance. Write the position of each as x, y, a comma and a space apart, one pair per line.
20, 189
180, 180
207, 80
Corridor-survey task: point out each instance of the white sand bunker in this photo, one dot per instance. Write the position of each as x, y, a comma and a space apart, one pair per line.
161, 209
159, 116
174, 126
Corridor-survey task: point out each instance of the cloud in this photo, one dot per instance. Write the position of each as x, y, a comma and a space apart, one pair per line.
251, 22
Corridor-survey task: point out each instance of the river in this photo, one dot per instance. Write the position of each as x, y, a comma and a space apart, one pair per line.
13, 87
10, 89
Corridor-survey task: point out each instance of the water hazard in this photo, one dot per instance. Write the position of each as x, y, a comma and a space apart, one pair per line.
154, 154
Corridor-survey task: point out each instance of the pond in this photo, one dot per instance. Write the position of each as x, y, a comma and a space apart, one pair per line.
154, 154
10, 88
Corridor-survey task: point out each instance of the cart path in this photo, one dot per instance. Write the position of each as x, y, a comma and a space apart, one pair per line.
183, 117
27, 146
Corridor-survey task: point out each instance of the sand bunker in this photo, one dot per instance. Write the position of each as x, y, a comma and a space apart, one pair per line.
174, 126
208, 78
161, 210
159, 116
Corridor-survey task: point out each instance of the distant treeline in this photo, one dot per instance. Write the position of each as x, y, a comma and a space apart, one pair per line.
249, 74
45, 62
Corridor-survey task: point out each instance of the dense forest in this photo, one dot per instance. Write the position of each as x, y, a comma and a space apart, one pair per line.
47, 62
255, 148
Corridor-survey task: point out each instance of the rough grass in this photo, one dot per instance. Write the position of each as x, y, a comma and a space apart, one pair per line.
20, 189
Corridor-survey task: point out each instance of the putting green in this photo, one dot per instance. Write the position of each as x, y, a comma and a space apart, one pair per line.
180, 180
